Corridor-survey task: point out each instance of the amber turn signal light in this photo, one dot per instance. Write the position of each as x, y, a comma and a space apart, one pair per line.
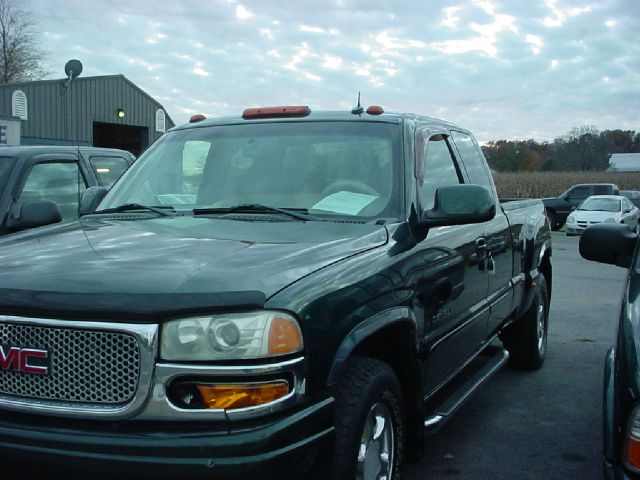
284, 337
241, 396
633, 452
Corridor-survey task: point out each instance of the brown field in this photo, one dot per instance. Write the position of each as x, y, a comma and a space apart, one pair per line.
552, 184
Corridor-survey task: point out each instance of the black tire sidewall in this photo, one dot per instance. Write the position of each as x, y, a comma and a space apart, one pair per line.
380, 387
521, 337
543, 298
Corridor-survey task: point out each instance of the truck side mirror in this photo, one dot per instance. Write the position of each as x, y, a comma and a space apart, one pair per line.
33, 214
611, 243
460, 205
90, 200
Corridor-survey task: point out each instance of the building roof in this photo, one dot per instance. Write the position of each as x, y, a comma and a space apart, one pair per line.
624, 162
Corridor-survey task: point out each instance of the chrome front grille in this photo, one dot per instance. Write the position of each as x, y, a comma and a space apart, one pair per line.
585, 224
86, 366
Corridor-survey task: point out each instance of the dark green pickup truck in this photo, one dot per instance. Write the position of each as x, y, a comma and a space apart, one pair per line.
289, 288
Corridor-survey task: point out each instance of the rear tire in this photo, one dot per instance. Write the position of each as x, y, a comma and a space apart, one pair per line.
553, 221
526, 338
370, 422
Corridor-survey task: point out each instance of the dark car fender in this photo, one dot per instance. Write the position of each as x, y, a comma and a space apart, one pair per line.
366, 329
608, 407
535, 247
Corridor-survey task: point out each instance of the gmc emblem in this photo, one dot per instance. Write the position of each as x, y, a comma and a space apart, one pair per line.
27, 360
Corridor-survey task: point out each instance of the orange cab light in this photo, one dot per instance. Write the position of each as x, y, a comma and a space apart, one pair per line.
197, 118
633, 452
375, 110
242, 396
271, 112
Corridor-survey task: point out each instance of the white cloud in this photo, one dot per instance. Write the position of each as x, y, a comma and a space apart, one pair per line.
560, 15
535, 42
451, 18
242, 13
331, 62
307, 28
198, 70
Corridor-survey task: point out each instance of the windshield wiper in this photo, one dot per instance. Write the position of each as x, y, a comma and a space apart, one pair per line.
165, 210
297, 213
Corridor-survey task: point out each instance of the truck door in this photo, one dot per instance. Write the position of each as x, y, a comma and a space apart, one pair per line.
455, 309
498, 255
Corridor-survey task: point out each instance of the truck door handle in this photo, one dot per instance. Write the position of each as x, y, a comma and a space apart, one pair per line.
481, 252
481, 246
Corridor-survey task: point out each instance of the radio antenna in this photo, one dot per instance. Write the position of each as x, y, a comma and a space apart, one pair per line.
358, 110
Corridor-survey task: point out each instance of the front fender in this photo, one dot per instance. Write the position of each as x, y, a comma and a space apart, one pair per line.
364, 330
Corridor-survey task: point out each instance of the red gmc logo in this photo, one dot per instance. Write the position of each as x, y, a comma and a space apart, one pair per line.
16, 359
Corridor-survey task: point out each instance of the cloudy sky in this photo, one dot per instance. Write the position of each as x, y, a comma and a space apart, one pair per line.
502, 68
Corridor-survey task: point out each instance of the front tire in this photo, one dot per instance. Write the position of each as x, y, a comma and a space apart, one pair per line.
369, 423
526, 338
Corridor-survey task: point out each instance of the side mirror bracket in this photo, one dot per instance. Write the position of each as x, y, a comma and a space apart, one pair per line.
90, 200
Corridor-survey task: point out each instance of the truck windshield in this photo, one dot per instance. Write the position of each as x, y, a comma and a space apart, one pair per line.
323, 168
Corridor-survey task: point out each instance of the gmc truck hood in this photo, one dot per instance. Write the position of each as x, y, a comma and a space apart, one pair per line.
203, 262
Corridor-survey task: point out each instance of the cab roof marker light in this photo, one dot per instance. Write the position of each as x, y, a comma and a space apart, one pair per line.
375, 110
276, 112
197, 118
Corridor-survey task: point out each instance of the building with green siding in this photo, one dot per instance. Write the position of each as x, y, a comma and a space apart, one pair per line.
106, 111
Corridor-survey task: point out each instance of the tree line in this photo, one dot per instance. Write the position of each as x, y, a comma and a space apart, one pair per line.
582, 148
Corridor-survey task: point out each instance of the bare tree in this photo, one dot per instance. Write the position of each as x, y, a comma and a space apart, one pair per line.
20, 55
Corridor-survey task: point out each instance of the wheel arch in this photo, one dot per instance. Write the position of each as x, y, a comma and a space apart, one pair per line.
545, 267
390, 337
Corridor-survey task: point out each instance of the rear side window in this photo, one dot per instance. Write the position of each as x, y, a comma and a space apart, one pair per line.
108, 169
578, 194
602, 190
60, 182
472, 159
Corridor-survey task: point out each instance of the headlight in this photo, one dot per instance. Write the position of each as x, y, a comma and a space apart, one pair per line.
610, 220
571, 219
230, 336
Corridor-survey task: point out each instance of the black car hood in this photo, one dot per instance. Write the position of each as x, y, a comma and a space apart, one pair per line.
177, 263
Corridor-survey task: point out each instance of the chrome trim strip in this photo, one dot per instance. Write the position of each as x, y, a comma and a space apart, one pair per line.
160, 408
147, 338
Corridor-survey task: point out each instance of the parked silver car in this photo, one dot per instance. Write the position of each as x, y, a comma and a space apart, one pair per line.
602, 209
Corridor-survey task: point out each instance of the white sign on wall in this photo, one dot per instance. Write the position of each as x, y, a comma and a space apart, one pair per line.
9, 131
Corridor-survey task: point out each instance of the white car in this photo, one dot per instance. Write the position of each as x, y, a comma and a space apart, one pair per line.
602, 209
